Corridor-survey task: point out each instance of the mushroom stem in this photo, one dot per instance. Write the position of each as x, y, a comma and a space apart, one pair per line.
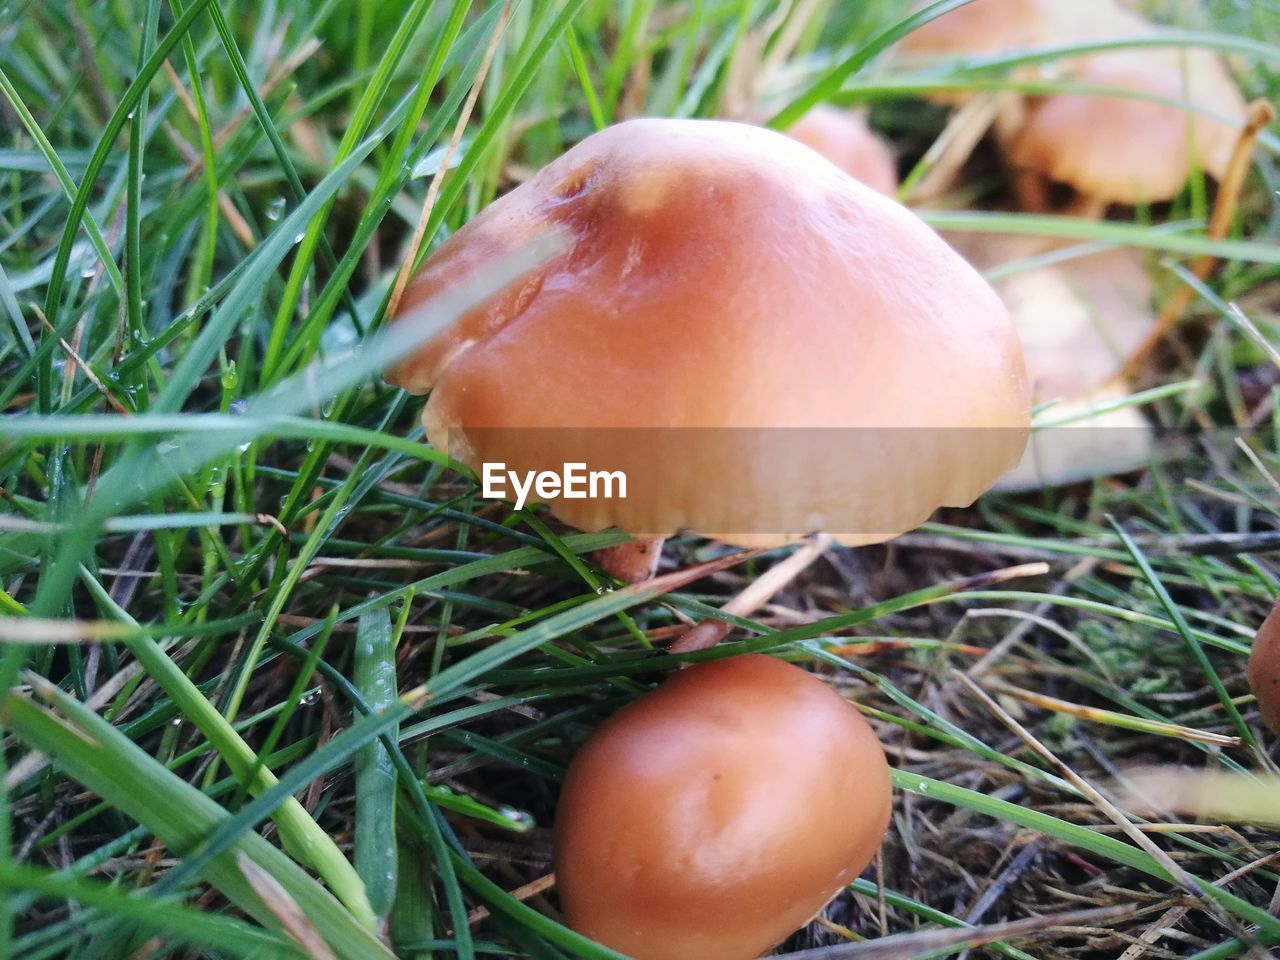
760, 591
1031, 188
632, 562
1260, 113
1085, 207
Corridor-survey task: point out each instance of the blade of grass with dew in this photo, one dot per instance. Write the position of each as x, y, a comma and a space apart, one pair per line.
361, 119
151, 470
301, 835
1121, 234
93, 752
375, 676
171, 920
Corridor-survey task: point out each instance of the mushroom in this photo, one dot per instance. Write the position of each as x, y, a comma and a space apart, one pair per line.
1132, 149
1264, 669
713, 816
985, 28
761, 345
844, 138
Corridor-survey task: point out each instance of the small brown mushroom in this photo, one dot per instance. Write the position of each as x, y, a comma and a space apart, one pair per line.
1264, 669
844, 138
1133, 149
710, 818
763, 346
984, 27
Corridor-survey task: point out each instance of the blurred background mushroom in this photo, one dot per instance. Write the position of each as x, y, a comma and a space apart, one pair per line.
983, 29
1264, 669
844, 138
1167, 112
1159, 113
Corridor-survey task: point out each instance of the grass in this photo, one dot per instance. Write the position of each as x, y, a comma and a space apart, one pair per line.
270, 671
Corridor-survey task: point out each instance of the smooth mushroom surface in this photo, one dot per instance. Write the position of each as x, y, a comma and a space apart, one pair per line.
764, 346
988, 27
1128, 148
712, 817
983, 27
844, 138
1264, 669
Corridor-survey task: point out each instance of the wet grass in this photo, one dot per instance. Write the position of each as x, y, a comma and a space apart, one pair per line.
268, 663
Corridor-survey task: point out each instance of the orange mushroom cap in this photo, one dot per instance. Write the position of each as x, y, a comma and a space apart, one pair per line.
1125, 149
983, 27
989, 27
715, 815
765, 346
1264, 669
844, 138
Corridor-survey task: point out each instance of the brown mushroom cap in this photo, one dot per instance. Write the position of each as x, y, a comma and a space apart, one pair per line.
1264, 669
712, 817
982, 27
844, 138
1124, 149
765, 346
988, 27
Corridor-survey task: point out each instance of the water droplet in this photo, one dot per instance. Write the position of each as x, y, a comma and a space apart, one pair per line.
298, 238
275, 209
603, 589
520, 820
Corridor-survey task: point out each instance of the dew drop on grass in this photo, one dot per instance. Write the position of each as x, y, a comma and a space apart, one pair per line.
603, 589
520, 820
275, 209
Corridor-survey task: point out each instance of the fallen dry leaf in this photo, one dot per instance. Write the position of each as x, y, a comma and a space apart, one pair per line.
1078, 319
